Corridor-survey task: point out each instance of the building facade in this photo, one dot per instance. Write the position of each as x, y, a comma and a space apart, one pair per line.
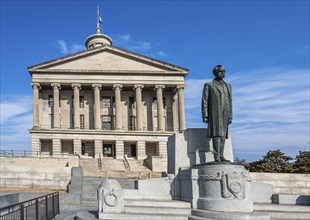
106, 100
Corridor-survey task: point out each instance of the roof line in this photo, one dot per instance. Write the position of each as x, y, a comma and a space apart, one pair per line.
85, 52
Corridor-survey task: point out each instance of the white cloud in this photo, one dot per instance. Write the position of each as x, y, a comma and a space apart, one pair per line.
270, 106
144, 47
162, 54
76, 48
67, 49
16, 119
63, 46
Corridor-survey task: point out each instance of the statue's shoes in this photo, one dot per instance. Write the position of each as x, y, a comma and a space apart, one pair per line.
224, 159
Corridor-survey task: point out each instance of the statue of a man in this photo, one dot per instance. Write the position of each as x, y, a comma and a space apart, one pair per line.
216, 108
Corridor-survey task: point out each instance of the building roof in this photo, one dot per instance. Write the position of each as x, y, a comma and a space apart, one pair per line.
107, 59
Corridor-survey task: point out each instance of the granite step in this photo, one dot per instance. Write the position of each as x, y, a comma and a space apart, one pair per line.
131, 216
157, 203
280, 207
157, 210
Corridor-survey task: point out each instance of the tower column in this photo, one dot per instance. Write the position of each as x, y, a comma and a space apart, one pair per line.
56, 88
97, 88
160, 107
180, 89
138, 89
36, 122
76, 92
118, 107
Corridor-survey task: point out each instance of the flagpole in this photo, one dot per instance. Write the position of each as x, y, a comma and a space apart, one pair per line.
98, 21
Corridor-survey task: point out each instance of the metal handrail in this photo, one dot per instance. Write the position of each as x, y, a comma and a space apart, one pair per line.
43, 207
28, 153
126, 163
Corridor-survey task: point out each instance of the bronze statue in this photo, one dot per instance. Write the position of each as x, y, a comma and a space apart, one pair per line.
216, 109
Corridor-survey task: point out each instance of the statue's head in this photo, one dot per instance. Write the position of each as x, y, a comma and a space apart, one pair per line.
219, 71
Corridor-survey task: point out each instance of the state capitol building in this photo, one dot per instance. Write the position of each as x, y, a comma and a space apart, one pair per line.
106, 101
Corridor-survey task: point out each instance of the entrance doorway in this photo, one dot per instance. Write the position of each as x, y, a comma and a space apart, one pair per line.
133, 150
108, 150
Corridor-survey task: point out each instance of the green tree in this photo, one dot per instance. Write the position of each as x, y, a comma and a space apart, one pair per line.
302, 163
273, 162
241, 162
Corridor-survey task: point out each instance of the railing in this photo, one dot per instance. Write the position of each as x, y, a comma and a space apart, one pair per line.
27, 153
126, 163
100, 162
44, 207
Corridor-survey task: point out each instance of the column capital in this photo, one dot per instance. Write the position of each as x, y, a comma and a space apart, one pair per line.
117, 86
96, 86
35, 85
56, 85
138, 86
180, 87
76, 85
159, 87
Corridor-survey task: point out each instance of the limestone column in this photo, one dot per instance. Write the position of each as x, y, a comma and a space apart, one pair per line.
98, 148
118, 107
119, 149
180, 89
175, 115
36, 146
141, 151
77, 146
139, 113
97, 122
36, 87
163, 153
160, 107
56, 147
56, 88
76, 92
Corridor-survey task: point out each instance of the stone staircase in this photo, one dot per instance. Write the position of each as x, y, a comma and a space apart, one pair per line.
89, 190
114, 168
153, 209
134, 208
279, 211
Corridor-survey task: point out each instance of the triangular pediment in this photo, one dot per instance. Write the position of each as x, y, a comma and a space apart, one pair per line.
106, 59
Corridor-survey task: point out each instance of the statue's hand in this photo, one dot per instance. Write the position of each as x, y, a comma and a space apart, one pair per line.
205, 120
229, 121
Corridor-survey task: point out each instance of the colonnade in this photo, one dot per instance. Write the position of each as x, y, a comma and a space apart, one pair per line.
178, 112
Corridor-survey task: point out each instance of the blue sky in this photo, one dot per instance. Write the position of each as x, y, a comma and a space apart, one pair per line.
264, 46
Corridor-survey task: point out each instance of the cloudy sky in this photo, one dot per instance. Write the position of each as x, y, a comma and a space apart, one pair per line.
263, 44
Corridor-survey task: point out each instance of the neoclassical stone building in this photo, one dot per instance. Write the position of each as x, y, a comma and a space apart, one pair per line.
106, 100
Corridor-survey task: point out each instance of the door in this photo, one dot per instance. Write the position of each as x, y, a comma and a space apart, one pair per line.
108, 150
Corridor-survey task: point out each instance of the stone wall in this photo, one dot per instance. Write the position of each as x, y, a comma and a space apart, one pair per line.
285, 183
36, 172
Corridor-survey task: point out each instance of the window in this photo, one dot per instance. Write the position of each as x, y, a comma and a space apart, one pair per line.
81, 121
132, 123
72, 121
106, 122
131, 102
106, 102
81, 101
50, 101
154, 102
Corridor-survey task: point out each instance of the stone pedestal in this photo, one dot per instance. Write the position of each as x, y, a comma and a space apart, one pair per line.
224, 188
219, 191
110, 198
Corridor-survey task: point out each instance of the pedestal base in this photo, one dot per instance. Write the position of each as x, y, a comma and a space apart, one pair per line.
229, 215
224, 187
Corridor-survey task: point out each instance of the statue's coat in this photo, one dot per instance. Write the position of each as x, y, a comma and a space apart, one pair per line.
212, 108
